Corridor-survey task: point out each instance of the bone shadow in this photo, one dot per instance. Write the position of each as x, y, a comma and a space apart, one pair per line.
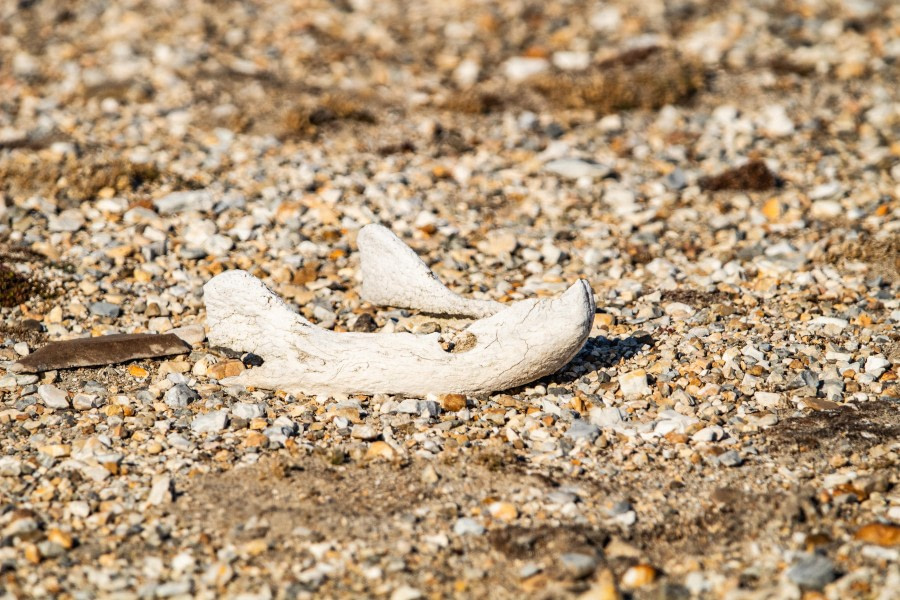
599, 352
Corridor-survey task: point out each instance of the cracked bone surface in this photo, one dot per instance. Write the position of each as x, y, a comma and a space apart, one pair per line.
518, 344
392, 275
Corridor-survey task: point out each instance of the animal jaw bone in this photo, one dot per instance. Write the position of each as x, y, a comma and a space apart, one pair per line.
516, 345
392, 275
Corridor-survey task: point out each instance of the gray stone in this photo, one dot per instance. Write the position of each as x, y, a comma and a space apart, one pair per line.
409, 406
210, 422
429, 408
177, 202
577, 565
246, 410
53, 397
105, 309
467, 526
730, 459
180, 395
583, 430
812, 571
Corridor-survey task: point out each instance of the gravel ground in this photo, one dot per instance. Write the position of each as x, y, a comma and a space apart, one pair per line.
725, 174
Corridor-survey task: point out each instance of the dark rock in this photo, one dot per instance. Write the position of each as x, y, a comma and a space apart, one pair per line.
102, 350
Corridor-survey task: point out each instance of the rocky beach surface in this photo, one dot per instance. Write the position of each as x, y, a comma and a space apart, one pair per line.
726, 175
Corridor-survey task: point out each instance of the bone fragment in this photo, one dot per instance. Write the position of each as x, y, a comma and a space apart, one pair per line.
518, 344
392, 275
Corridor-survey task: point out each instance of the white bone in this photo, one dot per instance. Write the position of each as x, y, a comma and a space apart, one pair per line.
392, 275
518, 344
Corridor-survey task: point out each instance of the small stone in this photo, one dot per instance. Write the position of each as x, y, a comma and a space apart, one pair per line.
503, 511
252, 360
638, 576
226, 368
679, 310
518, 68
582, 430
246, 410
467, 526
180, 395
771, 210
405, 592
61, 538
160, 490
69, 220
85, 401
56, 450
211, 422
429, 475
826, 209
178, 202
363, 432
136, 371
730, 458
453, 402
499, 242
881, 534
53, 397
21, 349
380, 450
255, 439
10, 466
105, 309
574, 168
812, 571
876, 365
410, 406
713, 433
576, 565
634, 384
767, 399
192, 334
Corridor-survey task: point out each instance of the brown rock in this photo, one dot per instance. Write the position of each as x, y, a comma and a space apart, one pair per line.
821, 404
882, 534
639, 576
102, 350
453, 402
227, 368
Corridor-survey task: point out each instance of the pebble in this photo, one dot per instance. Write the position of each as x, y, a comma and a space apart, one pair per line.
639, 576
467, 526
573, 168
380, 449
245, 410
211, 422
364, 432
519, 68
180, 395
105, 309
160, 490
812, 571
731, 458
713, 433
583, 430
576, 565
634, 384
876, 365
53, 397
881, 534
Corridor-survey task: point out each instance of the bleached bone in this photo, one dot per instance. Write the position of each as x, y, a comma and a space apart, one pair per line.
392, 275
518, 344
